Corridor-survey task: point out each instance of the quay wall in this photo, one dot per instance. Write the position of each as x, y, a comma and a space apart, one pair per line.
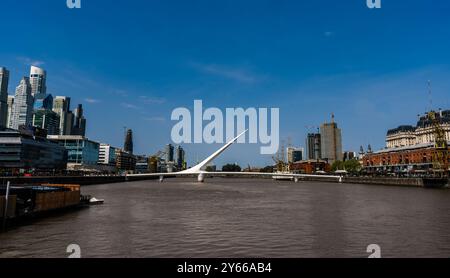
93, 180
409, 182
81, 180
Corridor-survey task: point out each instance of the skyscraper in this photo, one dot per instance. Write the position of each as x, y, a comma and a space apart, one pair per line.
314, 146
4, 80
38, 79
128, 146
46, 119
23, 105
170, 153
331, 138
180, 158
79, 127
10, 109
61, 106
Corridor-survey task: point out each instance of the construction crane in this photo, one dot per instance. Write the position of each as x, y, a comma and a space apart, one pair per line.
280, 159
154, 160
440, 154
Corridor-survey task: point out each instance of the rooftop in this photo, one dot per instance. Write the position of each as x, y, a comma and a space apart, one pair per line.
407, 148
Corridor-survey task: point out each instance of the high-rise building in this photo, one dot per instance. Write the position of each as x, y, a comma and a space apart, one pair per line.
314, 146
79, 127
43, 103
46, 119
10, 109
170, 153
331, 138
125, 161
4, 81
180, 158
349, 156
128, 145
23, 105
295, 154
107, 155
38, 79
61, 106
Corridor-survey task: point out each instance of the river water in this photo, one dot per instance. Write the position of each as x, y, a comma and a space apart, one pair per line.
243, 218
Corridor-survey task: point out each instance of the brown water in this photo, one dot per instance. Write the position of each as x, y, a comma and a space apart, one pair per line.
243, 218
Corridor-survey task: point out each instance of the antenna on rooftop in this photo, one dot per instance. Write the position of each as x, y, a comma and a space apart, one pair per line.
430, 95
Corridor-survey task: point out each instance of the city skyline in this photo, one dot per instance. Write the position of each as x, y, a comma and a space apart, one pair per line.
313, 69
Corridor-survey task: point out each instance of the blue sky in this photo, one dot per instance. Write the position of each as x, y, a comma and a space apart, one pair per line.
132, 62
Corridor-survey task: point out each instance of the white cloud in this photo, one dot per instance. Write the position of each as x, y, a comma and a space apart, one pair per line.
152, 100
91, 100
29, 61
129, 106
154, 119
237, 74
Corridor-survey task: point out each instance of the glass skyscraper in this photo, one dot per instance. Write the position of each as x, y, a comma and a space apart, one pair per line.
61, 106
23, 105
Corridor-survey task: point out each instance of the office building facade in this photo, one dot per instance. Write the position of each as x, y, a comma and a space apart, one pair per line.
107, 155
23, 105
10, 110
295, 154
46, 119
170, 153
331, 142
38, 80
181, 159
314, 146
61, 106
4, 81
128, 145
29, 150
82, 153
125, 161
79, 127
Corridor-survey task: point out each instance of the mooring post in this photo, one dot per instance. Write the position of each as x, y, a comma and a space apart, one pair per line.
5, 213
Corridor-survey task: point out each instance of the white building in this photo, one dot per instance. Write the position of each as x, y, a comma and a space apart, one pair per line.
107, 155
38, 79
423, 133
23, 105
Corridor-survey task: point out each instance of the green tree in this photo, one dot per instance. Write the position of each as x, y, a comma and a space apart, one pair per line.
231, 168
337, 165
267, 169
352, 166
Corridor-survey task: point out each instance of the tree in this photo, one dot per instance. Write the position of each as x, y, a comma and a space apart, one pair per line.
337, 165
267, 169
352, 166
210, 169
231, 168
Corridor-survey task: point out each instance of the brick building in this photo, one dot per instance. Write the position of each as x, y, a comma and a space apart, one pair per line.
310, 167
416, 158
